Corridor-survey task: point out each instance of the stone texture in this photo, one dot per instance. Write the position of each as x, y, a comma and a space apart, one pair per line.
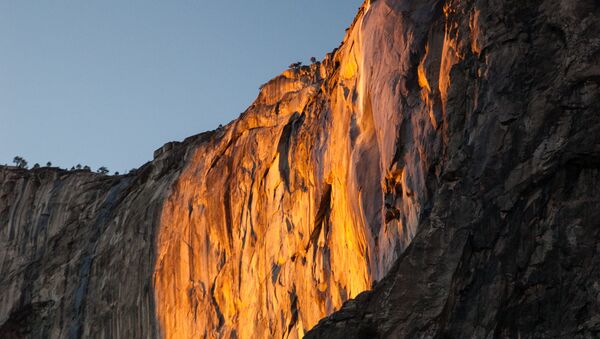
77, 250
281, 219
446, 157
507, 246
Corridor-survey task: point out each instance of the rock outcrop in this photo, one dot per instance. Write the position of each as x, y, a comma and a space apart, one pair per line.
446, 156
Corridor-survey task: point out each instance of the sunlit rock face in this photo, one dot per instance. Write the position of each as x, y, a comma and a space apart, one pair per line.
302, 202
257, 229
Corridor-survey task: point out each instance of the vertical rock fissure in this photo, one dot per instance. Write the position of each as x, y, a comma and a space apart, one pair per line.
294, 123
321, 223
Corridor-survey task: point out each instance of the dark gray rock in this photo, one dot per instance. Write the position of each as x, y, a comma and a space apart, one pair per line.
509, 244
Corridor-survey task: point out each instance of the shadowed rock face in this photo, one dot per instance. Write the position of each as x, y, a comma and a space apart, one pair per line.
77, 251
508, 242
470, 126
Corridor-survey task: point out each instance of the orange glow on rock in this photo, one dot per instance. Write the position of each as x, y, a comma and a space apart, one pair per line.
421, 74
450, 56
274, 222
253, 240
475, 33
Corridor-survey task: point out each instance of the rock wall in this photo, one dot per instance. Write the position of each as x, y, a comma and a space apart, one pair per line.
508, 244
471, 126
258, 229
298, 205
77, 250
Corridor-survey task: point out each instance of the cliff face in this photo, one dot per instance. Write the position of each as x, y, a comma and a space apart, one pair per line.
281, 217
77, 251
508, 244
471, 126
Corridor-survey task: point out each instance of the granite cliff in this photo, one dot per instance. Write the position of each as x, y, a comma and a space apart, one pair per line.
445, 158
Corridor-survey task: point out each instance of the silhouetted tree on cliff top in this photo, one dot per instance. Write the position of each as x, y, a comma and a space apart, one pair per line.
20, 162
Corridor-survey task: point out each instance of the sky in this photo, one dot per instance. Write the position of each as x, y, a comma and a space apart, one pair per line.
106, 82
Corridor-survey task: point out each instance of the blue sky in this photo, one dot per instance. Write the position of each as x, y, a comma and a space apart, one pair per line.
105, 82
